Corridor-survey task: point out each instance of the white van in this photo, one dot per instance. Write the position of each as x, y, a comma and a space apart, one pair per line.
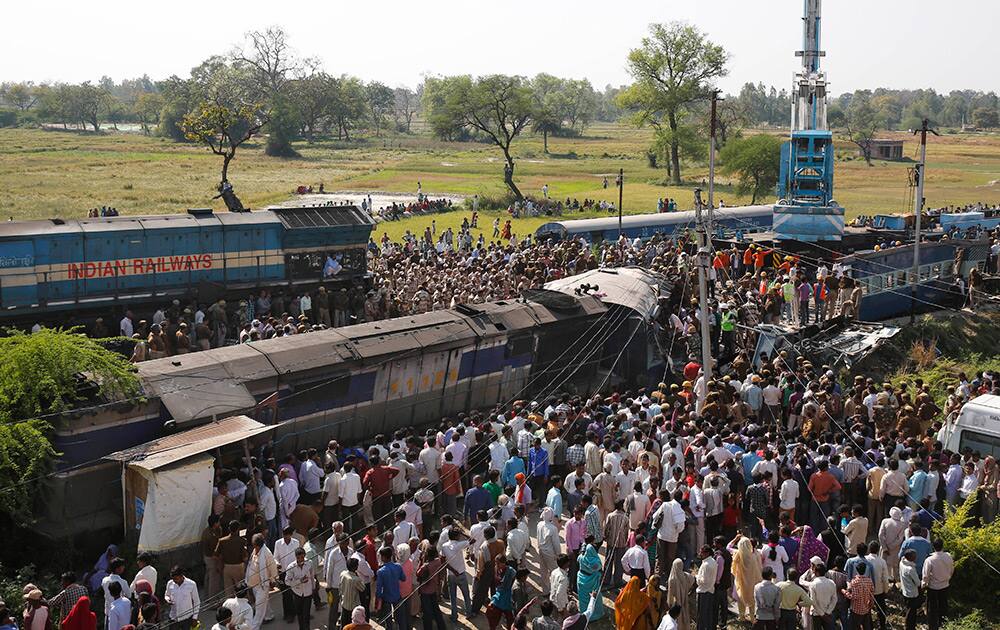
977, 427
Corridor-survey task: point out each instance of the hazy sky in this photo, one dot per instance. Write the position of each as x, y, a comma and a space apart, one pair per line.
869, 43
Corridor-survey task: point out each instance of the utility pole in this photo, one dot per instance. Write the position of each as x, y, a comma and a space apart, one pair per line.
711, 163
919, 207
621, 188
703, 266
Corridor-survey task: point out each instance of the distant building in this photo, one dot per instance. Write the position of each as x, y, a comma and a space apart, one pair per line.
885, 149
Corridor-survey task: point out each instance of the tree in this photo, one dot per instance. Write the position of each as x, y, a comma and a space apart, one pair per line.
441, 111
579, 103
271, 63
380, 101
313, 95
147, 108
755, 161
406, 106
985, 118
348, 106
224, 128
498, 107
547, 106
88, 102
22, 96
861, 125
672, 69
41, 375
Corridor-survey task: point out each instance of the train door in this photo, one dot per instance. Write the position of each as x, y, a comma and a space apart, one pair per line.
433, 372
18, 284
99, 271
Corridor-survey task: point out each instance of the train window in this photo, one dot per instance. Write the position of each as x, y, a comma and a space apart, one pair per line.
326, 265
936, 270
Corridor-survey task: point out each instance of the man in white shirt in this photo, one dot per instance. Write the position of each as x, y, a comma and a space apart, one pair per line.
570, 483
310, 476
705, 580
331, 496
125, 326
239, 605
288, 494
453, 553
670, 517
182, 596
635, 561
430, 457
788, 494
334, 565
350, 495
822, 593
300, 580
115, 569
146, 570
559, 582
119, 608
284, 555
499, 454
262, 574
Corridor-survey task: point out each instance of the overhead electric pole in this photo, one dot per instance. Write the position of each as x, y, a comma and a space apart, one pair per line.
621, 188
918, 172
703, 267
711, 163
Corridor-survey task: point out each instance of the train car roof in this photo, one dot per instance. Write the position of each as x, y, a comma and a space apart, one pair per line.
13, 229
631, 287
578, 226
200, 384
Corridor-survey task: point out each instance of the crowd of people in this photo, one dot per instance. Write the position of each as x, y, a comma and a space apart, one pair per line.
784, 497
782, 493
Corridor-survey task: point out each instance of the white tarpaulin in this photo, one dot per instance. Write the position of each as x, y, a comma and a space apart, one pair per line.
177, 504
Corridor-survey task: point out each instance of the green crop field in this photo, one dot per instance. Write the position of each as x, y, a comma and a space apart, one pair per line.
50, 173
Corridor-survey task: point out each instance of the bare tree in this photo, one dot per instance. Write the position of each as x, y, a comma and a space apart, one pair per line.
271, 58
406, 107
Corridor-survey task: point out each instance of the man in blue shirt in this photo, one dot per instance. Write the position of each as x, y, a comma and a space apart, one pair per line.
538, 469
477, 498
918, 544
388, 601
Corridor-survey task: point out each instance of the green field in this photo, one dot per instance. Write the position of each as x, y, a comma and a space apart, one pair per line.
48, 173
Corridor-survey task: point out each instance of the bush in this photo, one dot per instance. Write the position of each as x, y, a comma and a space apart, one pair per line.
976, 620
8, 118
499, 201
975, 549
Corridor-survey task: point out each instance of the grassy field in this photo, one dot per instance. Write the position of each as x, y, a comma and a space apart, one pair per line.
48, 173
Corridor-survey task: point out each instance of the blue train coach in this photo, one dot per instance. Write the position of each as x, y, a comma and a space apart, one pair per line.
743, 219
56, 264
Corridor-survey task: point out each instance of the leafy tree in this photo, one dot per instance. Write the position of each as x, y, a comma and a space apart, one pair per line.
440, 110
42, 375
312, 95
861, 124
975, 547
348, 105
147, 109
223, 128
381, 102
22, 96
547, 106
755, 161
498, 107
985, 118
673, 69
579, 104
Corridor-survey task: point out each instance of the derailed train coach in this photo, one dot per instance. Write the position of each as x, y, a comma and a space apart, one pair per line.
355, 382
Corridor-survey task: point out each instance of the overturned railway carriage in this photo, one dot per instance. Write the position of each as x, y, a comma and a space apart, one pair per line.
354, 382
49, 267
743, 219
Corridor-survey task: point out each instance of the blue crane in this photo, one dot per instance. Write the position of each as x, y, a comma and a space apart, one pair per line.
806, 210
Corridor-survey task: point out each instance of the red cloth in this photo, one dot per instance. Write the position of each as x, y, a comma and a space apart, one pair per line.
691, 371
450, 481
80, 617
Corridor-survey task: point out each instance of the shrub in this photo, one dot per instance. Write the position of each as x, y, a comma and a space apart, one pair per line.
975, 549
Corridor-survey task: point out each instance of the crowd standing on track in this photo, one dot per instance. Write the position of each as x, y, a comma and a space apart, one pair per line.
784, 499
782, 493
